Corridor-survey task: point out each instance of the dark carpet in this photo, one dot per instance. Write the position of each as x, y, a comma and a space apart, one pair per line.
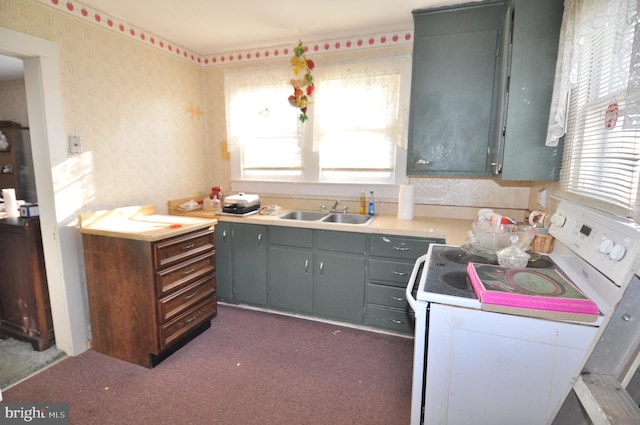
250, 367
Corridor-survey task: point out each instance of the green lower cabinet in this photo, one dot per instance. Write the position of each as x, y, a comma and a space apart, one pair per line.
340, 286
391, 319
291, 279
223, 262
249, 263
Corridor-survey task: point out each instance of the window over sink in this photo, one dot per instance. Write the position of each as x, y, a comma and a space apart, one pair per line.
356, 132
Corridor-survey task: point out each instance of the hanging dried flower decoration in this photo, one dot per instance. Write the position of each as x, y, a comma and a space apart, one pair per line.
303, 87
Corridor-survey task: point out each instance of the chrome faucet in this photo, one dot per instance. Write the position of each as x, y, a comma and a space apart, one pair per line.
334, 208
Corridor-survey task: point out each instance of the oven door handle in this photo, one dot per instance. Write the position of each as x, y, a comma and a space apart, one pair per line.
414, 273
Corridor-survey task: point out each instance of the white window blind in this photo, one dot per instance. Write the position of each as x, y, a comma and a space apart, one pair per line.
261, 125
601, 163
357, 119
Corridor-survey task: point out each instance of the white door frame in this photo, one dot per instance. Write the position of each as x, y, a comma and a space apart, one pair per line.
56, 195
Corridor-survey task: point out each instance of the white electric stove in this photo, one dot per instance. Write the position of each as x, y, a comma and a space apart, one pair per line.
480, 367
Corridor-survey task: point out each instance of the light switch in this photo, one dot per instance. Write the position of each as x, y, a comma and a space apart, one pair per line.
75, 144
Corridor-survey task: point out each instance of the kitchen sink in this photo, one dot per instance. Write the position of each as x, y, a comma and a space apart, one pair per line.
327, 217
304, 215
348, 219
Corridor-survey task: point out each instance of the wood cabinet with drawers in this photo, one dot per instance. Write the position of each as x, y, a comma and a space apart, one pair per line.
25, 310
147, 299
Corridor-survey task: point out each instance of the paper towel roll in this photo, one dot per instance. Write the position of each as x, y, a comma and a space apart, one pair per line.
10, 204
405, 202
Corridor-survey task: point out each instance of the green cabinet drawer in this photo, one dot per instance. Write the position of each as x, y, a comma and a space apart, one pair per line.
388, 296
397, 247
395, 320
395, 273
342, 241
291, 236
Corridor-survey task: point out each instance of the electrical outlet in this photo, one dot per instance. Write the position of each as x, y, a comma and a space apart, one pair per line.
542, 198
75, 144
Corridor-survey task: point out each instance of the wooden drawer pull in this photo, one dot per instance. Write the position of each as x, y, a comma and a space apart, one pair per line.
187, 321
191, 245
188, 297
186, 272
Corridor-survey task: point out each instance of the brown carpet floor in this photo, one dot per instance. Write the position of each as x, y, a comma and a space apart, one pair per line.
250, 367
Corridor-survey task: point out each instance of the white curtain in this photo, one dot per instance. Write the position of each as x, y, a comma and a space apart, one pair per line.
581, 18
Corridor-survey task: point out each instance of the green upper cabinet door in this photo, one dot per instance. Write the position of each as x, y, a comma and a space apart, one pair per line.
536, 32
455, 89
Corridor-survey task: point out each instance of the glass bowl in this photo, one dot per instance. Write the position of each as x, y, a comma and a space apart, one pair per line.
486, 239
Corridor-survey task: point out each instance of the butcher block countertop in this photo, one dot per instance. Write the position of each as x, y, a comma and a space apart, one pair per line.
140, 223
452, 230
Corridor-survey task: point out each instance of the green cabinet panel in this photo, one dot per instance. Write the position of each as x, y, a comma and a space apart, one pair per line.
481, 90
223, 262
536, 32
249, 263
395, 320
395, 273
454, 90
400, 247
291, 279
291, 236
342, 241
340, 286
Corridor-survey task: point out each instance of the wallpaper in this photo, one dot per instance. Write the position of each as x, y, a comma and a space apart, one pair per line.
151, 116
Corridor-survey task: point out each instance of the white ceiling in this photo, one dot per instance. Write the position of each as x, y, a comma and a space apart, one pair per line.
216, 26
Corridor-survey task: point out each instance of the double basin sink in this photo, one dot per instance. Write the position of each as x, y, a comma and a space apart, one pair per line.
344, 218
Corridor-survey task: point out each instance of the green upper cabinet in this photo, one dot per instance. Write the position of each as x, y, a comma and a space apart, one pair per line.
481, 90
454, 89
536, 32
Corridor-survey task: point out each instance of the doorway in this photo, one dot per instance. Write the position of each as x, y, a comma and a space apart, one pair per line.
61, 240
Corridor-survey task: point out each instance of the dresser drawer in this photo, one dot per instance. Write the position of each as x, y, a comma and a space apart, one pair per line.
182, 324
185, 273
186, 298
396, 273
388, 296
396, 320
398, 247
178, 249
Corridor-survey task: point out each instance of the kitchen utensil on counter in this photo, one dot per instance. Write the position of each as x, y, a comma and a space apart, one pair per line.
242, 203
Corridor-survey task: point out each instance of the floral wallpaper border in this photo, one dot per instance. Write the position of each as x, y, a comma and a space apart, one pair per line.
96, 17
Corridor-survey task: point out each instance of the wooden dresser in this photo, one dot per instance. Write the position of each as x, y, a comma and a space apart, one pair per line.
25, 311
148, 298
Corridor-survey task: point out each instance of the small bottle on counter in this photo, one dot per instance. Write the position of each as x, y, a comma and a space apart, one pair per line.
216, 196
372, 205
363, 203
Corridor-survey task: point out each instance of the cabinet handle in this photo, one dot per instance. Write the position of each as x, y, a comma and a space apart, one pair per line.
401, 248
191, 245
188, 297
186, 272
259, 239
398, 298
187, 321
321, 268
398, 322
399, 273
306, 266
224, 235
423, 162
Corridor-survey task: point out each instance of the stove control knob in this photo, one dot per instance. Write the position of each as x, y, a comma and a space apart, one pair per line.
605, 246
558, 220
617, 252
